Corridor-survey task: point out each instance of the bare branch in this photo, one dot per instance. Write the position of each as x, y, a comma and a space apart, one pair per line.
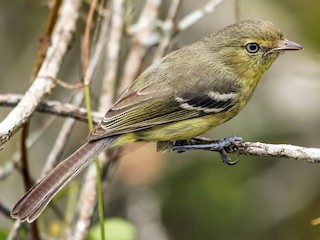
9, 166
86, 42
169, 30
112, 56
196, 15
61, 140
13, 234
86, 205
100, 44
310, 155
143, 37
14, 162
43, 85
238, 146
53, 107
237, 9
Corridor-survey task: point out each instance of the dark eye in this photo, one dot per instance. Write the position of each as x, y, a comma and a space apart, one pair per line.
252, 47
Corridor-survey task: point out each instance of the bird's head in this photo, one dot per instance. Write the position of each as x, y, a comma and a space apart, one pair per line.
250, 47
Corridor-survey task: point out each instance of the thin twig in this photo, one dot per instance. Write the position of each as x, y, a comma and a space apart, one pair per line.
238, 9
76, 85
169, 30
24, 159
45, 40
86, 41
197, 15
5, 171
112, 56
100, 44
62, 139
25, 171
142, 38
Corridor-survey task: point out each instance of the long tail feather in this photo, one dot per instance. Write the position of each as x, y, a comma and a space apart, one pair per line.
37, 198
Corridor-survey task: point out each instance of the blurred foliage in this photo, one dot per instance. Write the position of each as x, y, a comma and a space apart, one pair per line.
115, 228
206, 199
3, 234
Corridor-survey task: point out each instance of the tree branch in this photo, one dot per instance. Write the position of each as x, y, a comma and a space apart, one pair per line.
53, 107
143, 37
238, 146
43, 84
310, 155
197, 15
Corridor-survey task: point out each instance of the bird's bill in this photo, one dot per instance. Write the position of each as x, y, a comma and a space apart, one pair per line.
286, 45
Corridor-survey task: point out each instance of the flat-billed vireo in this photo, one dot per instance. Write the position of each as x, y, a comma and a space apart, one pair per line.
179, 97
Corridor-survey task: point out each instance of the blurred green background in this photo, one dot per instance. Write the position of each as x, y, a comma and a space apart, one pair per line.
193, 195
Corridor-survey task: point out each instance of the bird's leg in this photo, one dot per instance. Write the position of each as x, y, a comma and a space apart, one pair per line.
168, 146
200, 143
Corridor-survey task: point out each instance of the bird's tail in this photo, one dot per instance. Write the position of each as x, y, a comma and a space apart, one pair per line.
37, 198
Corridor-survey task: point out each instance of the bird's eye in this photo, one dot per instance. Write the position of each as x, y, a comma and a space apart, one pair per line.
252, 47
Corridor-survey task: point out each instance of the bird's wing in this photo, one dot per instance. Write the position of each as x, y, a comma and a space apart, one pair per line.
151, 106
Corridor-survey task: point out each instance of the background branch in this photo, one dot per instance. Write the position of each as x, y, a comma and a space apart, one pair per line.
43, 85
53, 107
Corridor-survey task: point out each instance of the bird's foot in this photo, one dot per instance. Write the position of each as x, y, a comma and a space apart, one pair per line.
198, 143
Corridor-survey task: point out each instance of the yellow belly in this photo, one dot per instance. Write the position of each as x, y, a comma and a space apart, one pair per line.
180, 130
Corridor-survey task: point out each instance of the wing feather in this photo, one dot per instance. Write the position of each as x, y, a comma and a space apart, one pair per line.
150, 111
146, 103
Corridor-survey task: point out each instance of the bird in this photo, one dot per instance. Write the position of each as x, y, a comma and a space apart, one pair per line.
179, 97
